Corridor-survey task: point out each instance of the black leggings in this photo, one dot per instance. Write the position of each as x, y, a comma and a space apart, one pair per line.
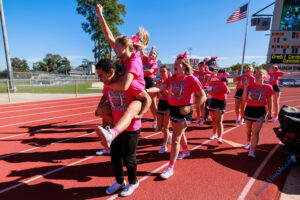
123, 149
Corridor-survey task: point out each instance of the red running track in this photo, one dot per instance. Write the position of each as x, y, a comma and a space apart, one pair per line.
48, 152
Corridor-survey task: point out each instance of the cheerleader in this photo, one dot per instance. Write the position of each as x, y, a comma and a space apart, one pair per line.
123, 146
241, 80
274, 74
202, 74
257, 96
150, 69
181, 87
218, 90
163, 118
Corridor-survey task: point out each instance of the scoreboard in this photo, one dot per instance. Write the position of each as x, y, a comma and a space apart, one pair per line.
284, 45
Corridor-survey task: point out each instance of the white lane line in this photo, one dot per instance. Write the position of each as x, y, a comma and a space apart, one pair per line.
45, 119
12, 136
60, 141
256, 174
166, 164
54, 111
44, 175
56, 170
48, 107
53, 102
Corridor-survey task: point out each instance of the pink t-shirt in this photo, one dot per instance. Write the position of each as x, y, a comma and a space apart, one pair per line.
119, 101
161, 95
134, 65
150, 64
181, 89
202, 76
242, 79
274, 77
258, 94
221, 89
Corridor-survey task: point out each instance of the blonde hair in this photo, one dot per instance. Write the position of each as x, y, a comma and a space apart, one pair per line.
263, 71
251, 67
188, 69
144, 36
124, 40
275, 67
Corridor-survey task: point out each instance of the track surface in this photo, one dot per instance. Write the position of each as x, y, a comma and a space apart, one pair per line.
48, 152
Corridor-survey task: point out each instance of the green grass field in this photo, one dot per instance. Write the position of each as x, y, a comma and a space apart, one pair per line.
83, 88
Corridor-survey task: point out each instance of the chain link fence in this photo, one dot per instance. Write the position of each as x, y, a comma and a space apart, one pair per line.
46, 83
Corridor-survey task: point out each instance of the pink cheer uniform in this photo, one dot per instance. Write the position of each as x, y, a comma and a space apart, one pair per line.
242, 79
119, 101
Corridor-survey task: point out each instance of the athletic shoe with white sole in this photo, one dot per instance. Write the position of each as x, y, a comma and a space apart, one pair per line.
274, 119
247, 146
251, 153
183, 155
115, 187
103, 152
163, 149
241, 122
107, 135
129, 189
213, 136
167, 173
220, 140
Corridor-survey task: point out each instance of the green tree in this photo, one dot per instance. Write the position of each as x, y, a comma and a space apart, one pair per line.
53, 63
111, 11
19, 65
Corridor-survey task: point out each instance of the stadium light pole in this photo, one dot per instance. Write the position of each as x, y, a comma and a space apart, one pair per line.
9, 68
190, 50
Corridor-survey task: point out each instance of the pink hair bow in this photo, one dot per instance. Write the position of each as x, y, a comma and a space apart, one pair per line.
135, 39
214, 57
205, 59
223, 75
183, 55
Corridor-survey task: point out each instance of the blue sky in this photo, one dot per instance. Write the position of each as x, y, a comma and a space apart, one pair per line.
38, 27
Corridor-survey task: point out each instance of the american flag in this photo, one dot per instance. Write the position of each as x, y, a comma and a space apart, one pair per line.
240, 13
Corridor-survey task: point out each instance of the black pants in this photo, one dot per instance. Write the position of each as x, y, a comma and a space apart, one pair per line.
123, 150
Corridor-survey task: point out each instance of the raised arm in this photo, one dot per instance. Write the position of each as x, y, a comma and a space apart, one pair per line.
235, 76
107, 33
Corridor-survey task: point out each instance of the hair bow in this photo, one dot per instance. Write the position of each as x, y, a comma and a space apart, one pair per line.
205, 59
183, 55
223, 75
135, 39
214, 57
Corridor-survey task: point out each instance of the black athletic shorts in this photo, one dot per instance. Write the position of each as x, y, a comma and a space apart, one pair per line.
239, 93
255, 113
217, 104
163, 107
149, 82
177, 117
276, 89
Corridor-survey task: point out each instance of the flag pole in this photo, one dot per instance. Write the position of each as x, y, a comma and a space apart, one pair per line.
248, 11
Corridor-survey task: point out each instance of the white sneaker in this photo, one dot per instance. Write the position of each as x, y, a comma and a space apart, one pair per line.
213, 136
201, 122
241, 122
163, 149
197, 121
183, 155
251, 154
167, 173
129, 189
103, 152
115, 187
154, 125
247, 146
238, 120
220, 140
274, 119
106, 135
170, 139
